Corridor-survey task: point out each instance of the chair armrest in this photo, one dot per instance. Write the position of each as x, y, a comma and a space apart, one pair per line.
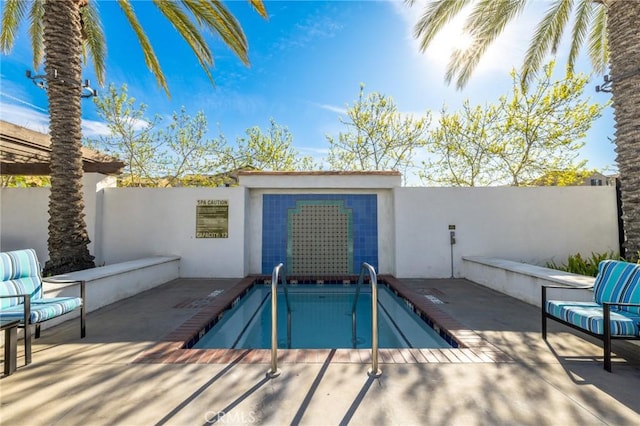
26, 306
13, 295
81, 282
620, 304
44, 280
544, 288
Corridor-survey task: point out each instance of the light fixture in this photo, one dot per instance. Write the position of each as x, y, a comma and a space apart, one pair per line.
606, 86
40, 80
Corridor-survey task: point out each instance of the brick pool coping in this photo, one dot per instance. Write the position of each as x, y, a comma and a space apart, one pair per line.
171, 350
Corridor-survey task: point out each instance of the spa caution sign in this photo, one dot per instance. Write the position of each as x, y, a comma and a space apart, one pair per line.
212, 219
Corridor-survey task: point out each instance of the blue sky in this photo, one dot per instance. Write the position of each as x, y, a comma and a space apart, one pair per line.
307, 62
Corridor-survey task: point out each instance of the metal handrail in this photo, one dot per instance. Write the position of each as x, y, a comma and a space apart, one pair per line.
274, 317
374, 371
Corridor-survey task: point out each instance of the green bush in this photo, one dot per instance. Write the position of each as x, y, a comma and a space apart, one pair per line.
584, 266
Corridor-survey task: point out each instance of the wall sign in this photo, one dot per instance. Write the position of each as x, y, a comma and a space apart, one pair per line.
212, 219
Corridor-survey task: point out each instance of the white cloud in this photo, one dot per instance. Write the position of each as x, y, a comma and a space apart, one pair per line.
38, 121
25, 116
91, 128
332, 108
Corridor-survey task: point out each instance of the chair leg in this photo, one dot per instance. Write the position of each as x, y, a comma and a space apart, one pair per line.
83, 319
83, 310
37, 330
544, 313
607, 337
27, 344
27, 330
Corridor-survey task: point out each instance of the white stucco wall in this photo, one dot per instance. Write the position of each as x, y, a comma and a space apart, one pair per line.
141, 222
320, 180
24, 216
532, 225
24, 220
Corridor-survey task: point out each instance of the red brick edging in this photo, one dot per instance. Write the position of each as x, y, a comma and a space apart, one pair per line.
171, 350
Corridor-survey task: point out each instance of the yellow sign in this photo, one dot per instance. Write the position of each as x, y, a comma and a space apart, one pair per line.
212, 219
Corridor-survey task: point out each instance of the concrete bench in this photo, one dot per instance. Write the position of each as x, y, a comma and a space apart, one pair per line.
111, 283
523, 281
613, 313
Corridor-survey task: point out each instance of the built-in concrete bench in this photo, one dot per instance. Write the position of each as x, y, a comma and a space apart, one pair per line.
524, 281
111, 283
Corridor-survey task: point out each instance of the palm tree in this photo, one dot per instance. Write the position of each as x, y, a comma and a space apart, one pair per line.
609, 28
63, 31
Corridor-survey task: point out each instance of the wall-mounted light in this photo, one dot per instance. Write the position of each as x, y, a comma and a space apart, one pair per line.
40, 80
606, 86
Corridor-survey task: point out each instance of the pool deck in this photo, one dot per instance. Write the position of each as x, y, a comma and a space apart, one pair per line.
110, 377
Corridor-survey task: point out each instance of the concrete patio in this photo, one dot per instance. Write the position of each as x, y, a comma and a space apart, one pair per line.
97, 380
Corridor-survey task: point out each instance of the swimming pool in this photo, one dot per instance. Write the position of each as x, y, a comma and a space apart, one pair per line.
321, 318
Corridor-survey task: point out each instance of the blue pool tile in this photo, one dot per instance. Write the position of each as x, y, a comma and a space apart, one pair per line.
275, 229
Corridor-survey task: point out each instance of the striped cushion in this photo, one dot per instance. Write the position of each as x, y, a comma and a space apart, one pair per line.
43, 309
618, 281
18, 264
19, 274
589, 316
27, 285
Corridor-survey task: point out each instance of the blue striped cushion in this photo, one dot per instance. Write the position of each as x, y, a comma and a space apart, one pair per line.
589, 316
43, 309
18, 264
618, 281
19, 274
27, 285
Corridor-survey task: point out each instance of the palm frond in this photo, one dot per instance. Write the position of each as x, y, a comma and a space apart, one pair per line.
435, 16
485, 23
36, 31
490, 17
598, 40
215, 17
94, 41
227, 23
149, 55
546, 38
462, 64
583, 15
12, 15
259, 7
188, 32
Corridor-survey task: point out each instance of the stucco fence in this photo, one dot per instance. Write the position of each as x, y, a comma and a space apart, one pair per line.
414, 225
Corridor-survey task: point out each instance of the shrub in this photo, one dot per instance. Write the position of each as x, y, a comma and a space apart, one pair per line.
584, 266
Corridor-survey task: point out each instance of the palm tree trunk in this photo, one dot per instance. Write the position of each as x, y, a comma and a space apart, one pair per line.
624, 44
68, 239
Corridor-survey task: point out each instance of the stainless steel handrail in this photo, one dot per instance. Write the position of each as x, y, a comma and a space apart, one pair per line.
374, 371
274, 318
355, 303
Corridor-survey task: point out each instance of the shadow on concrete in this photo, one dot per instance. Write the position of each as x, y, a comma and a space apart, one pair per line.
314, 386
219, 416
589, 371
357, 401
93, 380
203, 388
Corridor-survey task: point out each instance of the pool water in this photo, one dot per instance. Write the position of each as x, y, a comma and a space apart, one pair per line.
321, 318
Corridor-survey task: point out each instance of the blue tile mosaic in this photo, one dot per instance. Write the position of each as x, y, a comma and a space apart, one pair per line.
275, 213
